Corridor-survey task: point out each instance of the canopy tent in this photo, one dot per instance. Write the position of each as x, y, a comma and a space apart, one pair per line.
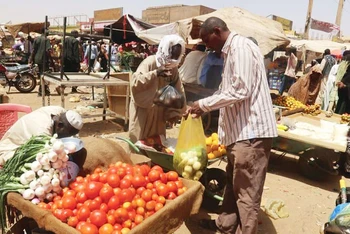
126, 28
267, 32
14, 29
317, 46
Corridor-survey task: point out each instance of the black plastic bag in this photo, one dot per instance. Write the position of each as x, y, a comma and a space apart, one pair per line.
169, 97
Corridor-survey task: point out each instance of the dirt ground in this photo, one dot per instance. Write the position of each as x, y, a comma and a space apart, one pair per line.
309, 203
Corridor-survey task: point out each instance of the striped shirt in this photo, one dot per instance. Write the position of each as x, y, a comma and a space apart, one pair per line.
243, 97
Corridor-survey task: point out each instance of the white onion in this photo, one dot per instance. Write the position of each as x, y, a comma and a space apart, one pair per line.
29, 175
196, 166
46, 167
39, 156
39, 192
57, 164
55, 182
58, 146
35, 166
35, 201
185, 175
47, 188
49, 196
52, 156
44, 180
65, 159
28, 194
40, 173
188, 169
23, 180
34, 184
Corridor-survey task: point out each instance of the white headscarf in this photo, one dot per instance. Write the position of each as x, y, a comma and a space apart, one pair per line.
163, 55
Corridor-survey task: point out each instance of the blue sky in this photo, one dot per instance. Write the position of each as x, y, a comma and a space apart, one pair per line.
19, 11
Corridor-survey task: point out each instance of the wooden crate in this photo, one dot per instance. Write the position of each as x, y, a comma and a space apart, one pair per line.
117, 95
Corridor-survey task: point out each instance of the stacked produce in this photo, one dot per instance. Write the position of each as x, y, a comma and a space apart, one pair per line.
214, 149
117, 200
345, 118
289, 102
34, 171
156, 143
313, 110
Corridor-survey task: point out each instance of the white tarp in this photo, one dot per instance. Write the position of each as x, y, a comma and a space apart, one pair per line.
267, 32
317, 46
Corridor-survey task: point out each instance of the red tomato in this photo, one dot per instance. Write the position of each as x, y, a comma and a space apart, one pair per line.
138, 219
140, 202
104, 207
80, 223
103, 177
113, 203
95, 177
106, 193
162, 190
125, 183
158, 206
117, 191
140, 190
81, 197
79, 179
83, 213
67, 213
138, 181
113, 170
121, 214
113, 180
92, 189
59, 214
155, 196
161, 199
126, 195
128, 177
145, 169
70, 193
98, 217
121, 172
106, 229
172, 176
111, 219
150, 205
117, 226
97, 170
69, 202
157, 168
127, 206
179, 184
163, 178
88, 228
94, 205
132, 214
146, 195
149, 186
180, 191
73, 221
140, 211
127, 224
171, 196
153, 175
172, 187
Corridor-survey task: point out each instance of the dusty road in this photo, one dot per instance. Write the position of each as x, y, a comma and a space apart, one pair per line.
309, 203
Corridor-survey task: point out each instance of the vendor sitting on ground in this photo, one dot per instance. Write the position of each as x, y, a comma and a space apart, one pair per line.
307, 87
47, 120
156, 71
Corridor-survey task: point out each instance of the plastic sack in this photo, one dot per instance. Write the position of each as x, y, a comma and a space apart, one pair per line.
169, 97
97, 66
190, 156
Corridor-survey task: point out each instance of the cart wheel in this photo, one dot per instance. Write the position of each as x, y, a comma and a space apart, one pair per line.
310, 166
214, 181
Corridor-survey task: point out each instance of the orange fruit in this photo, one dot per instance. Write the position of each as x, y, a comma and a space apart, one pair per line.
208, 149
211, 156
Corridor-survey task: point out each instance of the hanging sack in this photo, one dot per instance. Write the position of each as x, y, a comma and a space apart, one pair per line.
190, 156
169, 97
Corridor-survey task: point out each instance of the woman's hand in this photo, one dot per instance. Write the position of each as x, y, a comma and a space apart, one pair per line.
341, 85
165, 72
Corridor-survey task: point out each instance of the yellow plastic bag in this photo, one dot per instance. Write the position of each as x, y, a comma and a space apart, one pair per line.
190, 157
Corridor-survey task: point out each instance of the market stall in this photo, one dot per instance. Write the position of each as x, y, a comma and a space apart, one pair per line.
14, 29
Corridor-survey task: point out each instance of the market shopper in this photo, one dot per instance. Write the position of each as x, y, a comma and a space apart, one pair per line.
156, 71
307, 87
289, 74
41, 48
246, 126
343, 85
327, 63
47, 120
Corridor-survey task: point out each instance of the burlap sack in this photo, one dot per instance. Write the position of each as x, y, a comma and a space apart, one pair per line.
101, 152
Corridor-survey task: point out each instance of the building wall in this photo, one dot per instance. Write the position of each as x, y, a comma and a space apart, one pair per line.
168, 14
108, 14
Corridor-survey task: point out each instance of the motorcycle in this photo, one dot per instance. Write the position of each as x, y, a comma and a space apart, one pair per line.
22, 77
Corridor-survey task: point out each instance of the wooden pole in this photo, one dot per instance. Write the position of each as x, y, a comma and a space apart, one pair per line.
308, 19
339, 14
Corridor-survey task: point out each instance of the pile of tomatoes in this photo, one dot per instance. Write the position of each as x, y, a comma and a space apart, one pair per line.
115, 201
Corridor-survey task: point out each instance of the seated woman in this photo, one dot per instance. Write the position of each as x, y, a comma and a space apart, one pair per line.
306, 88
156, 71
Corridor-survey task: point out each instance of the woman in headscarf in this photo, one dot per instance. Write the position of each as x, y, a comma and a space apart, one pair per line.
156, 71
343, 85
307, 87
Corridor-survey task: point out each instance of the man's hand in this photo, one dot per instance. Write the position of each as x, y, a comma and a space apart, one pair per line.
163, 71
341, 85
173, 121
194, 110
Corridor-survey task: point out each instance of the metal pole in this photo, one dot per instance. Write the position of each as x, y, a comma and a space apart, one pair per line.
63, 47
42, 81
109, 51
308, 19
339, 14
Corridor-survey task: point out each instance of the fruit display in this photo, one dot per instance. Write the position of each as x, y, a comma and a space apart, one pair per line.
289, 102
282, 127
116, 200
313, 109
345, 118
214, 149
156, 143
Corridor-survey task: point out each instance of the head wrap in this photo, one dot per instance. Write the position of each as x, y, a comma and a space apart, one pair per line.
317, 68
74, 119
163, 55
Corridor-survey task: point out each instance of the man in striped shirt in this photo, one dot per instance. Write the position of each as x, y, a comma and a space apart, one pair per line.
246, 125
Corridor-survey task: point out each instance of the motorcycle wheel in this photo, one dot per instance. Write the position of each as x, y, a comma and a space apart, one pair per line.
26, 83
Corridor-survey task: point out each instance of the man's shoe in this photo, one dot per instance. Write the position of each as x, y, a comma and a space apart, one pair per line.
74, 90
208, 224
